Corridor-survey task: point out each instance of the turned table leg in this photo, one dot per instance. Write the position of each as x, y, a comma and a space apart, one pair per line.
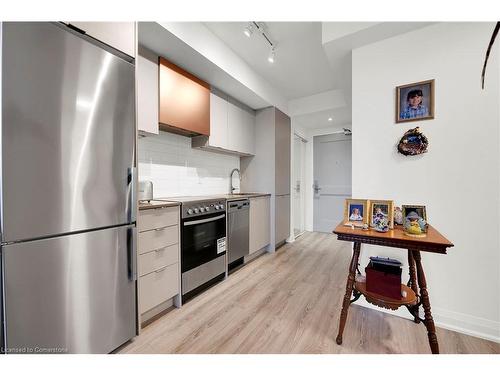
424, 295
348, 290
413, 280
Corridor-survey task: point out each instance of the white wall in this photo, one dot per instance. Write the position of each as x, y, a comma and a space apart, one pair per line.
458, 179
176, 169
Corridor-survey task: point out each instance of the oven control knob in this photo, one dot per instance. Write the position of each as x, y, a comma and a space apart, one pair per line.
190, 211
216, 207
202, 209
207, 208
221, 206
195, 210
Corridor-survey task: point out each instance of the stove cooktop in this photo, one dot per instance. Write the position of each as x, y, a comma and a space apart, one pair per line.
198, 206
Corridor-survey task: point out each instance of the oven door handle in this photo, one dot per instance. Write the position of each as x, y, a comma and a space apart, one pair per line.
194, 222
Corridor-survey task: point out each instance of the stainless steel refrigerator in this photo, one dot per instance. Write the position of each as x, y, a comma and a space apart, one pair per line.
67, 191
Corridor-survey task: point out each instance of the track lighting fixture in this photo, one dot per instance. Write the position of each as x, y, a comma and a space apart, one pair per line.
261, 28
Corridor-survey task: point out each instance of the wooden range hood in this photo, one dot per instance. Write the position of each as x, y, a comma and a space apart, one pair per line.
184, 106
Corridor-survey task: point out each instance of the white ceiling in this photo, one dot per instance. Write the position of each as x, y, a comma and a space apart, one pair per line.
301, 67
341, 117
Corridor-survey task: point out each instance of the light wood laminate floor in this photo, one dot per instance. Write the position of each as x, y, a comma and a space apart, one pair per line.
289, 302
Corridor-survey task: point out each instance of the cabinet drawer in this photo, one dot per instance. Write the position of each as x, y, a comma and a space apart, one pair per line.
157, 259
158, 286
157, 238
157, 218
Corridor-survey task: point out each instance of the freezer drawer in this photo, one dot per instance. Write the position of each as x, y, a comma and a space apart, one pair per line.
67, 133
73, 294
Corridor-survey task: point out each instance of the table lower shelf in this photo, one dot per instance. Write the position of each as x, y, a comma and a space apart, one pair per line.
387, 302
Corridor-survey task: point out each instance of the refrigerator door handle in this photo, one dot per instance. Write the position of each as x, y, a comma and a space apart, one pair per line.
132, 253
132, 194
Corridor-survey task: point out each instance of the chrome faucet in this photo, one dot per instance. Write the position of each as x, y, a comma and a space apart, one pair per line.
231, 178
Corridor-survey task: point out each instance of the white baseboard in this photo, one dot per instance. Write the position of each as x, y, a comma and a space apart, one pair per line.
458, 322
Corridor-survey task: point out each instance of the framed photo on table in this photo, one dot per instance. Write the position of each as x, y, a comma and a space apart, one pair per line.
415, 101
356, 212
414, 220
382, 208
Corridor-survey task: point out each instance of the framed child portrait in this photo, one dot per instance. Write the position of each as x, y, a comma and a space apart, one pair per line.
414, 220
381, 210
356, 212
415, 101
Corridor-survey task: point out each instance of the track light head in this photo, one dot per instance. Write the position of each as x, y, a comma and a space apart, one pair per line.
248, 31
271, 56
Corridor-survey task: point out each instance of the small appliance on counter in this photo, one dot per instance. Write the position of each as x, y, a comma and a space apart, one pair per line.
145, 191
383, 276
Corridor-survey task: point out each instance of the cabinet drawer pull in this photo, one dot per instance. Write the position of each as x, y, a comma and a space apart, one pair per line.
160, 249
161, 269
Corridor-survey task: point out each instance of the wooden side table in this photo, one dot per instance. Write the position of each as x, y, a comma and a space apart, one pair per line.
416, 289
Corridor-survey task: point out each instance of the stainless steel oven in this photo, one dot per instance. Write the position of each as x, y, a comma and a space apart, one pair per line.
203, 245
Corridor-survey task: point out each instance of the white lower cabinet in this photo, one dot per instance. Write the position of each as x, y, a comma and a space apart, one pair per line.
157, 259
158, 251
158, 286
282, 230
259, 223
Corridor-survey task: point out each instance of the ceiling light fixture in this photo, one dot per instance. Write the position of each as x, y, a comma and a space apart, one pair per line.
271, 56
248, 31
330, 119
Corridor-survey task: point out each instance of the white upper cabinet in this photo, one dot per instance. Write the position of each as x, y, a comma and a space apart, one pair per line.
119, 35
232, 128
218, 122
235, 128
249, 133
147, 94
241, 130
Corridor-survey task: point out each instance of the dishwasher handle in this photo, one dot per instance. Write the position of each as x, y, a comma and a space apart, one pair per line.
239, 205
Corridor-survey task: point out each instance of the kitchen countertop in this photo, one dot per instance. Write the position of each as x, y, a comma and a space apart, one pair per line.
233, 197
226, 197
157, 204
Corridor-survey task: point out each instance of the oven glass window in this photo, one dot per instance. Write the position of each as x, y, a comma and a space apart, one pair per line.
199, 241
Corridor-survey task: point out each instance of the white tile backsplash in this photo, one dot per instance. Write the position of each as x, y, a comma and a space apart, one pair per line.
176, 169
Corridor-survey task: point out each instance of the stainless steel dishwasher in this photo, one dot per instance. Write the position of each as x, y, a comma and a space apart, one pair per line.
238, 238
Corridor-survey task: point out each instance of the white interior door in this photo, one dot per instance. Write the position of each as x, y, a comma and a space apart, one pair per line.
332, 179
298, 185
